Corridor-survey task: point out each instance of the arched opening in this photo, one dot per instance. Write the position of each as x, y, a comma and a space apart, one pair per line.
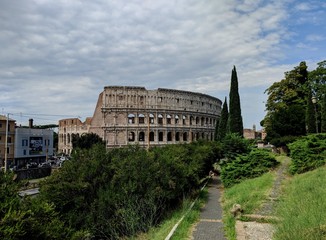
151, 118
131, 118
197, 120
131, 137
151, 136
160, 136
184, 120
202, 121
176, 119
177, 136
169, 137
168, 119
185, 137
141, 137
141, 118
160, 119
191, 120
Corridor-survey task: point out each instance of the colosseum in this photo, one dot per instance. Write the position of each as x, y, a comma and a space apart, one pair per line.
133, 115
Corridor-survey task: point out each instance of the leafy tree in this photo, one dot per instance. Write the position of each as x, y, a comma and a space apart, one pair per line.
323, 113
235, 119
223, 124
286, 105
317, 84
310, 116
86, 140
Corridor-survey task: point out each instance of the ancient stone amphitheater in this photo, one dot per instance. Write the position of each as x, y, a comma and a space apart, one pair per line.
133, 115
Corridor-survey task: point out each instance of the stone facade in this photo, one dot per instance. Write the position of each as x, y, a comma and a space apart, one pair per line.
133, 115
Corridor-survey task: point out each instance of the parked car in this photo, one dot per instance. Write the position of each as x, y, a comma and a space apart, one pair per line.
45, 164
32, 165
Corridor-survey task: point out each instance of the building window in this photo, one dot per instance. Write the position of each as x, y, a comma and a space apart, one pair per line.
141, 137
168, 119
151, 136
9, 139
169, 137
185, 137
24, 152
141, 118
177, 136
131, 137
131, 118
160, 136
184, 120
151, 118
176, 118
160, 119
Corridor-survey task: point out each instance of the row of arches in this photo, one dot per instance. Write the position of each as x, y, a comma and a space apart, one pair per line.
167, 136
169, 119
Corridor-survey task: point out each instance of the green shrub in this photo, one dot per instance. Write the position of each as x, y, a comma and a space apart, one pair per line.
247, 166
234, 145
127, 190
308, 153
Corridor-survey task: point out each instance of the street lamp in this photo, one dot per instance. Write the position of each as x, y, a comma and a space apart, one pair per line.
314, 101
6, 144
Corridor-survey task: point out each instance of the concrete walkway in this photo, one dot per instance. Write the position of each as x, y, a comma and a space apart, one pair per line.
210, 225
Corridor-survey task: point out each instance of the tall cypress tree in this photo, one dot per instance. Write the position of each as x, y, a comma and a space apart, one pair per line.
310, 115
222, 127
235, 118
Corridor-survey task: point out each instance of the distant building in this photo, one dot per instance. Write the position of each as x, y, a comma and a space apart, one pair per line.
24, 144
126, 115
33, 145
252, 133
11, 140
67, 128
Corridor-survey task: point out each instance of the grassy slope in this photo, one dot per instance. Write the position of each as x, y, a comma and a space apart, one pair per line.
303, 207
249, 194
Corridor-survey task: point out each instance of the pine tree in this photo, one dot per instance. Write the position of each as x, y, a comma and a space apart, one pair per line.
222, 127
235, 118
310, 115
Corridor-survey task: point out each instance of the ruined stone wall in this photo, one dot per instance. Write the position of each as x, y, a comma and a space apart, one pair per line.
68, 127
133, 115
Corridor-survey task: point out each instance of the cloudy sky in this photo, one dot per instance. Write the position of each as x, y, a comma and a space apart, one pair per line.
56, 56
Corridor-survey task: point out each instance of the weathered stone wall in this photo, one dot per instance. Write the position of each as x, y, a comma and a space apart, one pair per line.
133, 115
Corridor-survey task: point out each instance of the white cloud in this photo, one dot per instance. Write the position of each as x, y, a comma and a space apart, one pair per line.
65, 52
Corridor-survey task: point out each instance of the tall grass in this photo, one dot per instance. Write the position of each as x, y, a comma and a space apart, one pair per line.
249, 194
303, 207
184, 229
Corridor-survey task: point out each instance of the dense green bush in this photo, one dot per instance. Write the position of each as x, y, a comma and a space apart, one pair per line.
27, 218
308, 153
246, 166
109, 194
234, 145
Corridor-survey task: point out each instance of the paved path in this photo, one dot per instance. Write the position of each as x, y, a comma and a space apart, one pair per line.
210, 226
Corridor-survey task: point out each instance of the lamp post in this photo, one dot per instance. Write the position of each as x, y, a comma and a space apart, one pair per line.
314, 101
6, 143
